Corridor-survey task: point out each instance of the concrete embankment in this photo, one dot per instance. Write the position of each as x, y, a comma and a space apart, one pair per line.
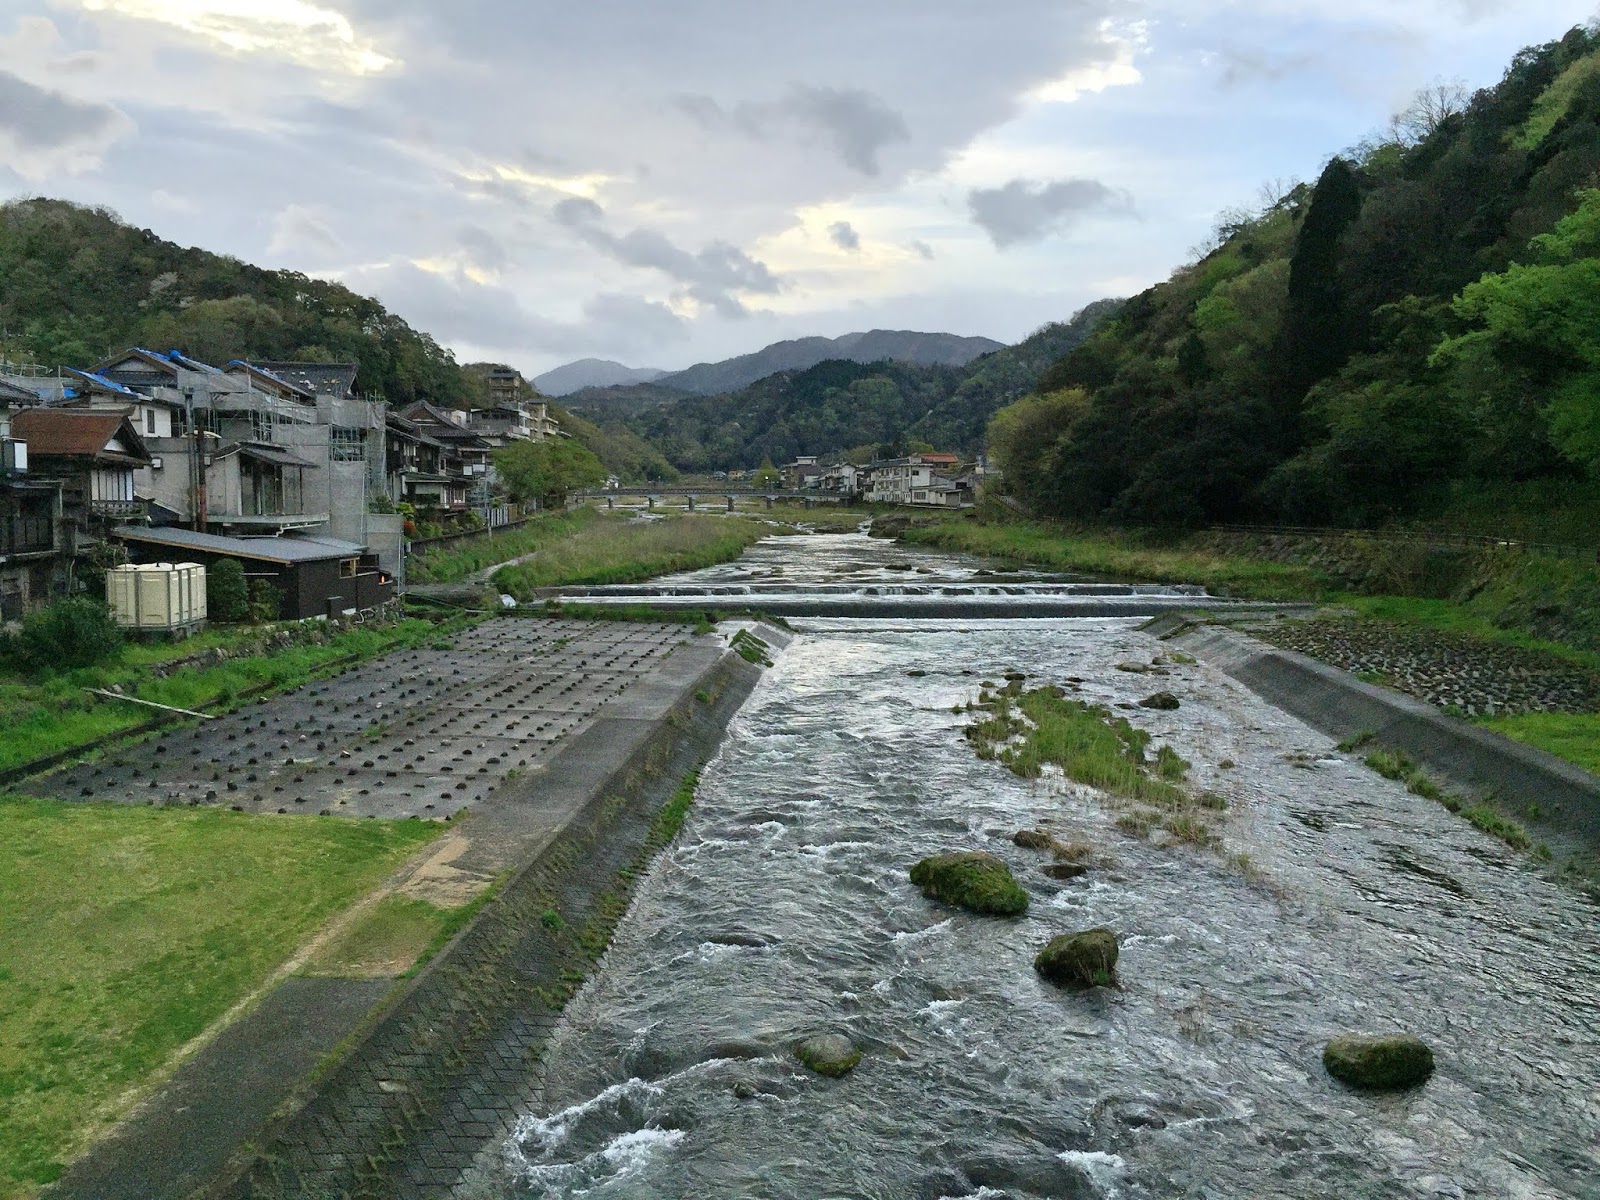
1548, 794
352, 1086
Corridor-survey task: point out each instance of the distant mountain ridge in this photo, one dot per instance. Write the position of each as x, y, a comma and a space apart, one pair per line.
592, 373
876, 345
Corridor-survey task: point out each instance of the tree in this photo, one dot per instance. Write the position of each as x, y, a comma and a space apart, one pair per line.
766, 474
1023, 438
1317, 328
548, 471
227, 598
1429, 109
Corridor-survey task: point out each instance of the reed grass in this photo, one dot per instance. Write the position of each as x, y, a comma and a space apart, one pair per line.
616, 551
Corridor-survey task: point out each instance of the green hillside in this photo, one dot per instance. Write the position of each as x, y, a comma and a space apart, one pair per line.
1417, 335
837, 406
76, 284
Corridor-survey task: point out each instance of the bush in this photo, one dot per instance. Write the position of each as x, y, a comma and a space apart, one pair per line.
227, 598
266, 601
67, 635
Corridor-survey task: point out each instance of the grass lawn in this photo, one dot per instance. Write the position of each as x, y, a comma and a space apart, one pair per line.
128, 930
1035, 544
1574, 737
1450, 617
396, 936
44, 716
613, 549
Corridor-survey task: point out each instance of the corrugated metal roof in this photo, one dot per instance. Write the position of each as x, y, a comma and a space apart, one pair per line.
324, 379
275, 455
268, 549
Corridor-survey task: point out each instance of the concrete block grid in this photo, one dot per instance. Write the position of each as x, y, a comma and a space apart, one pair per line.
455, 1062
422, 733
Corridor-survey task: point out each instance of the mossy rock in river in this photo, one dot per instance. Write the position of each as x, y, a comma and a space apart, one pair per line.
1080, 960
973, 880
1161, 701
830, 1054
1378, 1064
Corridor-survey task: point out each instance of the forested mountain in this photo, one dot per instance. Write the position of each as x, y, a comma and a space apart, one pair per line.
77, 284
838, 405
1420, 327
622, 401
899, 345
592, 373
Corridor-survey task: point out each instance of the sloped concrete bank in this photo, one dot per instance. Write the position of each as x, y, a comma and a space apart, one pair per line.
443, 1071
1542, 791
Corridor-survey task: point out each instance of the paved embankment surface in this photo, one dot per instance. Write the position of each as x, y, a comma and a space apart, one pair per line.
1565, 798
1480, 678
525, 722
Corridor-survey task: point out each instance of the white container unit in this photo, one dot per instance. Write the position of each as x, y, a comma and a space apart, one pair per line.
157, 597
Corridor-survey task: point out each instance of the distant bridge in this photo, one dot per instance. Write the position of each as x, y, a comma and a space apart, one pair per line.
728, 494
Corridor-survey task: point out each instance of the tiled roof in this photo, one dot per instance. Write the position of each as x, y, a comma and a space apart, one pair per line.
72, 432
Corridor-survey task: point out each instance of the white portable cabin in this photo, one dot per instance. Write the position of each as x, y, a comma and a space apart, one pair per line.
157, 597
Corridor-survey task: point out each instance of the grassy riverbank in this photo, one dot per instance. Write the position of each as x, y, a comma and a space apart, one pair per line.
1117, 555
454, 563
612, 549
169, 918
44, 716
1494, 597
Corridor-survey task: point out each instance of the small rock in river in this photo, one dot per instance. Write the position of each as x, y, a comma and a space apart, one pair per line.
1080, 960
1165, 701
1379, 1064
830, 1054
744, 1090
1065, 870
1033, 839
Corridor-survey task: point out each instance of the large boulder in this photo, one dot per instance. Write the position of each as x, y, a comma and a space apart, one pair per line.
1378, 1064
830, 1054
973, 880
1162, 701
1080, 960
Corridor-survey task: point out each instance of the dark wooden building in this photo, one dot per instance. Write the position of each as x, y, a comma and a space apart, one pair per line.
316, 577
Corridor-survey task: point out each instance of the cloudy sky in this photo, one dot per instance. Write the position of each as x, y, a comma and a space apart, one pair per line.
663, 183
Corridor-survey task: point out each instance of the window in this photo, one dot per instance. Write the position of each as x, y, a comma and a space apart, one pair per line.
149, 420
347, 567
347, 444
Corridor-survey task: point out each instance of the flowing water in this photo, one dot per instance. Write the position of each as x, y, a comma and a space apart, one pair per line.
784, 910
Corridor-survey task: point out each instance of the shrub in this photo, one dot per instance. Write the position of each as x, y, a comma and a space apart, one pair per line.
67, 635
227, 598
266, 601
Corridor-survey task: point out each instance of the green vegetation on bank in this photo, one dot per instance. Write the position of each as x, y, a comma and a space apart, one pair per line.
45, 715
1121, 554
454, 561
1572, 736
1416, 332
395, 936
129, 930
614, 549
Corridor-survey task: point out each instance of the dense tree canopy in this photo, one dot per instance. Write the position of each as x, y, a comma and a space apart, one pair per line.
1422, 324
548, 471
77, 285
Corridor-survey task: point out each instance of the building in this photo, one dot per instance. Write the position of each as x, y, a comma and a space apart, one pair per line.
842, 480
35, 563
925, 479
802, 473
315, 577
92, 455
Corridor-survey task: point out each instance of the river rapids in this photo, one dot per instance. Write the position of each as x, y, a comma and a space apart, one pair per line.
1336, 902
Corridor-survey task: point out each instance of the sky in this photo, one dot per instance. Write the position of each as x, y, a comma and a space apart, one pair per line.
535, 181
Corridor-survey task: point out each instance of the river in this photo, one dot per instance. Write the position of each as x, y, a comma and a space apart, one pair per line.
1337, 902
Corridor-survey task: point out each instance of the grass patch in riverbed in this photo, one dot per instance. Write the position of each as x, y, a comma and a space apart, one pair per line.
47, 716
1398, 766
1122, 555
1024, 731
1572, 736
614, 550
128, 930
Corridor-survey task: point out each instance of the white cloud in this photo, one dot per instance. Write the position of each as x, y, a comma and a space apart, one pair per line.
297, 30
